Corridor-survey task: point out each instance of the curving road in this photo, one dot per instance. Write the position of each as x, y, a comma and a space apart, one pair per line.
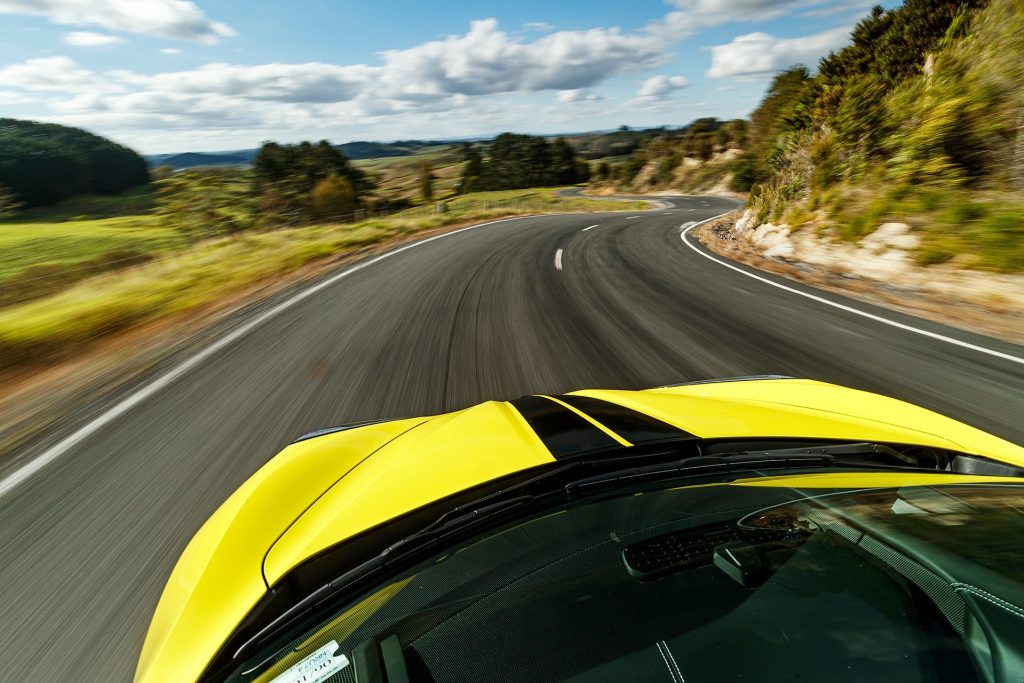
544, 304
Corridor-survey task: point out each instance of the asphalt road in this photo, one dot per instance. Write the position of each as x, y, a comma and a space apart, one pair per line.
87, 542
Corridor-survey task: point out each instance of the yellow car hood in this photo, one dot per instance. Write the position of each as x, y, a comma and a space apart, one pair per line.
323, 490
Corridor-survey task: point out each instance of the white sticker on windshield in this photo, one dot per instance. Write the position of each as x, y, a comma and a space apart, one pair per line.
317, 667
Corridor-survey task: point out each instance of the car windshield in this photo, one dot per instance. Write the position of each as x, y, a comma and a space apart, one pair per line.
706, 583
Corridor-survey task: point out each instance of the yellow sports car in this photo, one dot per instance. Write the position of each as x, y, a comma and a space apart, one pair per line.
752, 529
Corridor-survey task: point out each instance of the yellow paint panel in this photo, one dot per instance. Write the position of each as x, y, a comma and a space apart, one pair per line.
317, 493
807, 409
217, 579
444, 456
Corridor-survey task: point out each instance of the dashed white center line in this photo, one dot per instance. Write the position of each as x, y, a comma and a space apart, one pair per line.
629, 218
691, 209
558, 260
590, 227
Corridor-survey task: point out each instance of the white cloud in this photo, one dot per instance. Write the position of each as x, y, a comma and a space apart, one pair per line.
313, 82
487, 60
170, 50
576, 96
57, 74
691, 15
167, 18
539, 26
660, 86
758, 55
90, 39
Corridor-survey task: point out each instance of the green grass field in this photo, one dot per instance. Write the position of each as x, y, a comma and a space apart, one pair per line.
398, 177
28, 245
98, 304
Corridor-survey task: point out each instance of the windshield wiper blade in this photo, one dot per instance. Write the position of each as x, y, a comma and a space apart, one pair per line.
701, 465
453, 522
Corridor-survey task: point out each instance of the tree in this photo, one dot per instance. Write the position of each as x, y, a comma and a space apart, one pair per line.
519, 161
471, 171
284, 176
426, 181
332, 197
9, 204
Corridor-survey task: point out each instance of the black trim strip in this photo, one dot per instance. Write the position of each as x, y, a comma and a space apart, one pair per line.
632, 425
563, 432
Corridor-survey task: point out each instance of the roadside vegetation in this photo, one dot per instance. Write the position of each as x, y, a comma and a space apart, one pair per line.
91, 265
919, 121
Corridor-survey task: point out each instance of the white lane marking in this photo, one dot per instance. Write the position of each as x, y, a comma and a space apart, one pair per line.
694, 210
629, 218
590, 228
848, 309
558, 260
30, 468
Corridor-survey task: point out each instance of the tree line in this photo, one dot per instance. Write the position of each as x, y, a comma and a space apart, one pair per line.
516, 161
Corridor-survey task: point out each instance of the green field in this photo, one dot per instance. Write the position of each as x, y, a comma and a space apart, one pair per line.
28, 245
398, 177
71, 312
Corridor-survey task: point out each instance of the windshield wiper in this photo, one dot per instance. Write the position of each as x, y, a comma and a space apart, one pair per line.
562, 481
701, 465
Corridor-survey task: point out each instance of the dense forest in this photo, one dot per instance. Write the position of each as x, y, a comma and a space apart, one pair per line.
43, 163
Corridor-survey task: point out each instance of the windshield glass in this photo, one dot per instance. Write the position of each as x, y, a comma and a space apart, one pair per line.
705, 583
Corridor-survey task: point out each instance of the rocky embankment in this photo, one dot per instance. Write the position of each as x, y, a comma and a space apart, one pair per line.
881, 269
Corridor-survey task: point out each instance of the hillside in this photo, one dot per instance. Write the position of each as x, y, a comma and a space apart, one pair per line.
920, 122
43, 163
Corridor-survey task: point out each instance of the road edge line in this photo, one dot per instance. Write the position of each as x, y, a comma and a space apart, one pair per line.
26, 471
843, 307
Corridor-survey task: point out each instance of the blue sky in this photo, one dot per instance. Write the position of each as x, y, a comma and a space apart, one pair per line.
176, 75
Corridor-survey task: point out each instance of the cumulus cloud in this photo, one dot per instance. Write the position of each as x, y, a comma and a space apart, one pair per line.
179, 19
757, 55
487, 60
660, 86
313, 82
540, 26
575, 96
90, 39
57, 74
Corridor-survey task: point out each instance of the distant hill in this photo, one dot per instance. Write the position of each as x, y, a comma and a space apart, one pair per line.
241, 157
592, 145
244, 157
43, 163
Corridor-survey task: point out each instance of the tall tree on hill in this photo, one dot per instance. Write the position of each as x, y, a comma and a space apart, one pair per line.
426, 181
471, 171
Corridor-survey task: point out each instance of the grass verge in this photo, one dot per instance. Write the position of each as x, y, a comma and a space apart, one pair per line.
111, 302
